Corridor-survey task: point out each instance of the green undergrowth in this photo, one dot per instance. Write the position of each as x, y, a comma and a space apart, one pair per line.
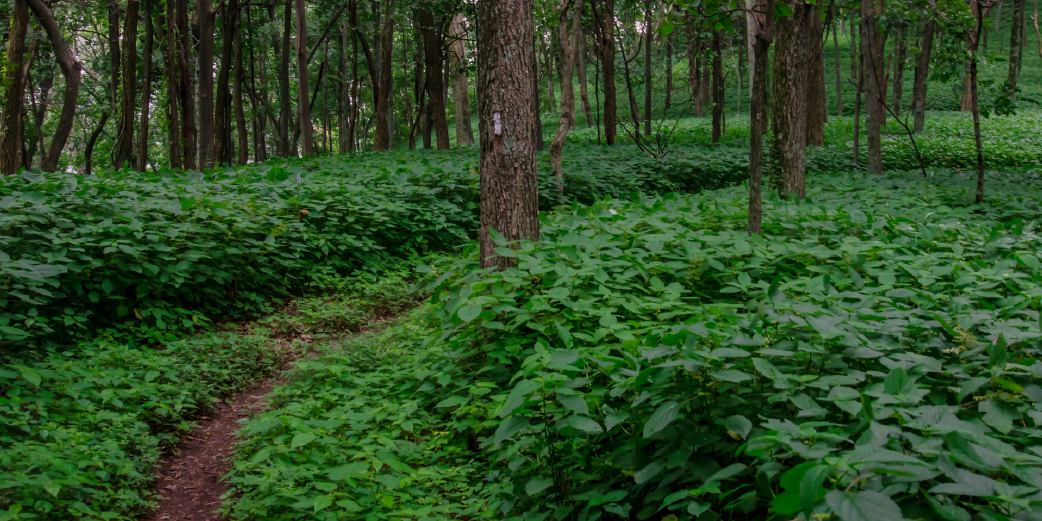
874, 356
81, 431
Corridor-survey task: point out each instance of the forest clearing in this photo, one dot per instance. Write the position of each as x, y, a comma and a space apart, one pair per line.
690, 261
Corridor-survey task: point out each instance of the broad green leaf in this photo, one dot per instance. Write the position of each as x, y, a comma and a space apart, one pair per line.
866, 505
302, 439
661, 418
343, 472
538, 484
518, 396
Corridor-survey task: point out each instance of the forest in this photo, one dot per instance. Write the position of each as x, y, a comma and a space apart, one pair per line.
521, 260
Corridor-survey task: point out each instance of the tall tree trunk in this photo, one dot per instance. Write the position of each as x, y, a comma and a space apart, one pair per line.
839, 75
382, 140
791, 78
344, 94
14, 89
352, 122
189, 130
509, 194
146, 88
206, 16
922, 69
432, 57
550, 91
538, 121
1016, 47
222, 114
584, 94
112, 8
173, 80
460, 88
40, 112
647, 68
240, 115
71, 71
974, 39
568, 39
899, 69
285, 111
718, 86
762, 38
303, 106
88, 151
1038, 34
604, 19
123, 152
260, 96
694, 75
857, 102
752, 22
817, 102
669, 74
872, 57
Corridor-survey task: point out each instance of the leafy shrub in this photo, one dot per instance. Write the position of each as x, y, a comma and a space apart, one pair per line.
81, 431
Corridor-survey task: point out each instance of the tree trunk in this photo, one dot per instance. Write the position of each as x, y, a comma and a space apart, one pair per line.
112, 7
604, 20
538, 121
352, 123
460, 88
550, 91
817, 102
506, 62
569, 41
222, 114
123, 151
669, 74
40, 112
146, 89
694, 75
240, 115
260, 96
189, 130
762, 39
647, 68
343, 94
303, 106
839, 75
382, 140
791, 78
71, 71
88, 151
857, 104
899, 70
974, 39
584, 94
718, 86
432, 57
1016, 46
752, 22
173, 80
1038, 34
872, 57
205, 16
14, 89
285, 110
922, 69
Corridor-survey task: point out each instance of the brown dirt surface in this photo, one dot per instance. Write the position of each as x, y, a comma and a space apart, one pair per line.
189, 477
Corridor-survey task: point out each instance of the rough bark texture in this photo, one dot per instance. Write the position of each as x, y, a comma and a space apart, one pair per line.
568, 39
899, 70
382, 139
584, 94
718, 87
123, 151
146, 88
285, 113
240, 115
509, 194
14, 88
303, 106
604, 17
71, 71
222, 114
922, 70
189, 131
1016, 46
173, 79
791, 77
694, 64
432, 57
763, 37
817, 101
1038, 34
205, 16
872, 58
460, 88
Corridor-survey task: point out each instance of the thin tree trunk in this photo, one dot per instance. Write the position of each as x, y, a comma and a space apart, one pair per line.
752, 22
791, 78
974, 40
222, 114
352, 123
647, 68
285, 110
899, 70
343, 94
325, 105
189, 130
123, 152
509, 194
40, 112
857, 105
568, 39
839, 75
1016, 46
432, 56
584, 94
669, 74
1038, 34
604, 19
550, 91
71, 71
762, 39
538, 122
303, 106
922, 70
460, 88
146, 88
173, 80
382, 140
817, 102
112, 7
718, 86
872, 57
88, 152
14, 89
205, 17
694, 76
240, 115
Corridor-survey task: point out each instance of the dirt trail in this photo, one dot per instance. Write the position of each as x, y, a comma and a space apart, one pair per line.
189, 476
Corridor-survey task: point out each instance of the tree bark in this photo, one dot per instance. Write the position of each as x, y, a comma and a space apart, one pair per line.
899, 70
647, 68
817, 102
146, 88
791, 78
584, 94
14, 89
669, 74
222, 153
1016, 46
123, 152
206, 16
112, 8
974, 39
604, 20
872, 58
922, 70
71, 71
1038, 34
762, 39
285, 107
694, 75
839, 75
432, 57
382, 139
568, 39
88, 151
460, 88
173, 80
718, 86
240, 115
303, 106
506, 62
189, 129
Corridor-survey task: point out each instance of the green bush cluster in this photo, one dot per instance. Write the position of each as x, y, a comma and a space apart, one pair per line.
82, 431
